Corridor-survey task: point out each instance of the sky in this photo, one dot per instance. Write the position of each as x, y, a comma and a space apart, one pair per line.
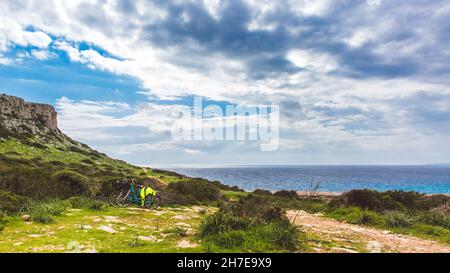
356, 81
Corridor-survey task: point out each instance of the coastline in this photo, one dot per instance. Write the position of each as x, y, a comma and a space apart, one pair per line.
334, 194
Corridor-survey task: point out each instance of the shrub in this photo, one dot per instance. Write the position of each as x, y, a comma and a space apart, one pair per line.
193, 192
434, 230
221, 222
42, 217
43, 212
435, 219
178, 231
286, 194
252, 223
27, 181
284, 235
110, 184
88, 161
96, 205
355, 215
135, 242
367, 217
79, 202
262, 192
71, 183
231, 239
2, 220
397, 219
11, 202
408, 199
438, 201
256, 208
391, 200
368, 199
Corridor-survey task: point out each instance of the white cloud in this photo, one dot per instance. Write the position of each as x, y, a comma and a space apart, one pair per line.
43, 55
319, 62
175, 70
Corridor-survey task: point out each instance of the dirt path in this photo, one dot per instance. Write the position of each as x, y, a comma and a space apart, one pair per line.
334, 236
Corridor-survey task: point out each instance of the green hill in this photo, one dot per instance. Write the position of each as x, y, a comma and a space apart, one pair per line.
35, 156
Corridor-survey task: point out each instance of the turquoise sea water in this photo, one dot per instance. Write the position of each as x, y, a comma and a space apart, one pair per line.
425, 179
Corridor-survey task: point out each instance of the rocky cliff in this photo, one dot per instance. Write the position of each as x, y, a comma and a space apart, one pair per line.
23, 118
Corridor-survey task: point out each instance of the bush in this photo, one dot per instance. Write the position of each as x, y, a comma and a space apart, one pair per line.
42, 217
11, 202
79, 202
44, 212
434, 230
367, 217
96, 205
355, 215
231, 239
431, 202
284, 235
262, 192
286, 194
71, 183
256, 208
435, 219
230, 231
109, 185
397, 219
253, 223
178, 231
2, 220
408, 199
391, 200
28, 181
193, 192
368, 199
221, 222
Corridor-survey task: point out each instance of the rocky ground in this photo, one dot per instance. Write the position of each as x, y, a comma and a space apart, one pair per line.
109, 230
173, 229
328, 235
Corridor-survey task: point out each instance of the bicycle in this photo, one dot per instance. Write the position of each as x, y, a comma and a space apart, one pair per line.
126, 198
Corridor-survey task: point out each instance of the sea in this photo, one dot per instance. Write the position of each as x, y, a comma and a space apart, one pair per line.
430, 179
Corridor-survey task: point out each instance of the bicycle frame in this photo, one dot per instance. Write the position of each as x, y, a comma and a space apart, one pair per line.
132, 196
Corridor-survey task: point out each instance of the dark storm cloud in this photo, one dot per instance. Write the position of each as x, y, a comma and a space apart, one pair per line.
264, 51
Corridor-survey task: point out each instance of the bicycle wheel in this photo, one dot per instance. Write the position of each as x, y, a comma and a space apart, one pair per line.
123, 200
157, 201
152, 202
112, 198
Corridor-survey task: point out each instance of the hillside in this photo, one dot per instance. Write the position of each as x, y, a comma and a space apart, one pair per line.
31, 145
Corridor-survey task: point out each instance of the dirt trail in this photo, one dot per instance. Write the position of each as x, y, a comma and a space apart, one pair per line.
343, 237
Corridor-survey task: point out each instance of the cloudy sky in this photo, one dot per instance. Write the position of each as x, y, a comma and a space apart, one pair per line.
357, 81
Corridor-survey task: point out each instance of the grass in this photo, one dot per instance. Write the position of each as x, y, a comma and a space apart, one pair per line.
70, 155
421, 225
82, 226
251, 224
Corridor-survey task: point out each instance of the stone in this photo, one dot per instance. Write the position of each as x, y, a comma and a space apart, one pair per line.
373, 247
147, 238
25, 217
186, 244
107, 229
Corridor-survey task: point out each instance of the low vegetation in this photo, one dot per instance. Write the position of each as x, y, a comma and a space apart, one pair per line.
404, 212
252, 224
